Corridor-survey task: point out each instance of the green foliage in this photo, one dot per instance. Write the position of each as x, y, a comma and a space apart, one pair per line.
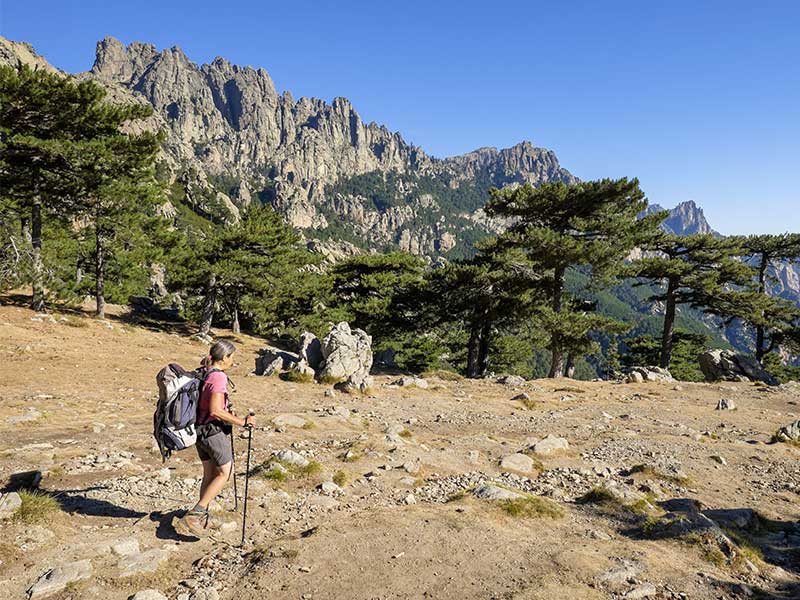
531, 507
687, 347
782, 372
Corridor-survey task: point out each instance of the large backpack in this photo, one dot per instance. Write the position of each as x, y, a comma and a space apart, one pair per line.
176, 411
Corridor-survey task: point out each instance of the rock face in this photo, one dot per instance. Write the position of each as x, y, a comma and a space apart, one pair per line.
233, 137
348, 356
726, 365
788, 433
310, 350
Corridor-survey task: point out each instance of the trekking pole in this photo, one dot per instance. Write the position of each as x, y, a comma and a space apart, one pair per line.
233, 470
247, 476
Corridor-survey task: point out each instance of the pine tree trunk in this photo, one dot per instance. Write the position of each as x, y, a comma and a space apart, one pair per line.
569, 370
100, 272
669, 324
209, 304
235, 325
557, 361
37, 279
483, 349
762, 288
473, 353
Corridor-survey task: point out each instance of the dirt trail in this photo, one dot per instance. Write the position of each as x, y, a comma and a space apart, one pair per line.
77, 401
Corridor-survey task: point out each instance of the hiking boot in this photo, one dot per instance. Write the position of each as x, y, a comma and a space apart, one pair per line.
193, 524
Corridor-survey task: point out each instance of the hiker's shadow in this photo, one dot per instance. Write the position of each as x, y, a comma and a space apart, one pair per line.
73, 501
166, 528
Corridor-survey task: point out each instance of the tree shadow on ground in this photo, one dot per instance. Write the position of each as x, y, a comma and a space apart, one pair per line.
736, 538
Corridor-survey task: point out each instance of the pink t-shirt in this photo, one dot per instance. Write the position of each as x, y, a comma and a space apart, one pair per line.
215, 382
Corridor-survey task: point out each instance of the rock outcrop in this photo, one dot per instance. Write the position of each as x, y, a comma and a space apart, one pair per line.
348, 357
726, 365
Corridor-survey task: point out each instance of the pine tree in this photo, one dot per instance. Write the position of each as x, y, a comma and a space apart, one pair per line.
42, 115
252, 266
591, 225
765, 253
699, 270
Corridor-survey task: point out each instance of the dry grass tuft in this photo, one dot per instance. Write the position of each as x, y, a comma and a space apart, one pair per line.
531, 507
37, 507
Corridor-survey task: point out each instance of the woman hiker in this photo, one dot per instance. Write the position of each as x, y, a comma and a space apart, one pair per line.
215, 423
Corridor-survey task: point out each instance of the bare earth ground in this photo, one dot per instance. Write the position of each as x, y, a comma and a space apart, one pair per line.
87, 390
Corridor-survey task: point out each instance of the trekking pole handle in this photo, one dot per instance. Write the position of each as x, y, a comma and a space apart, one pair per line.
250, 413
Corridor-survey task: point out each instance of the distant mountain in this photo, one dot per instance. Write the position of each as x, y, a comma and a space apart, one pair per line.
685, 219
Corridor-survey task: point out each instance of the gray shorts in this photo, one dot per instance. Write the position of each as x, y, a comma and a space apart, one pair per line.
216, 448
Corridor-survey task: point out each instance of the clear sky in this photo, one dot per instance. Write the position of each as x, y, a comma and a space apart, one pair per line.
700, 99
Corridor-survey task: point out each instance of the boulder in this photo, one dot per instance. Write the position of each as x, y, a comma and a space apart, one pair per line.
512, 380
348, 356
726, 365
517, 462
303, 369
493, 492
9, 503
725, 404
310, 350
788, 433
58, 578
648, 374
271, 361
550, 444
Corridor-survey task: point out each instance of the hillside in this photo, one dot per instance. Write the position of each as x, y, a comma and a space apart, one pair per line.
405, 523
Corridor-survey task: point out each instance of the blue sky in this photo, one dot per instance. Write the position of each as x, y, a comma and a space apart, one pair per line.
700, 100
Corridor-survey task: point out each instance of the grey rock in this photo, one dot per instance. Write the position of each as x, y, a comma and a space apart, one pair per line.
125, 547
409, 499
310, 350
329, 488
410, 381
511, 380
645, 590
522, 396
727, 365
725, 404
290, 457
627, 569
788, 433
206, 594
58, 578
270, 361
288, 420
142, 562
348, 356
648, 374
517, 462
550, 444
493, 492
9, 503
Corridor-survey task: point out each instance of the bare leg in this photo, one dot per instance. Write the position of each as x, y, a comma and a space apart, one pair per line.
208, 475
219, 478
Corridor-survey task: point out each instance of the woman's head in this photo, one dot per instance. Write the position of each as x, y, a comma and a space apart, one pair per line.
221, 354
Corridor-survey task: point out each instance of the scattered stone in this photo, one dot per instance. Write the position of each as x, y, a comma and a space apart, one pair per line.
291, 457
412, 466
634, 377
142, 562
148, 595
725, 404
473, 456
9, 503
163, 475
206, 594
511, 380
627, 569
58, 578
289, 420
493, 492
30, 415
550, 444
719, 459
517, 462
330, 393
522, 396
409, 499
